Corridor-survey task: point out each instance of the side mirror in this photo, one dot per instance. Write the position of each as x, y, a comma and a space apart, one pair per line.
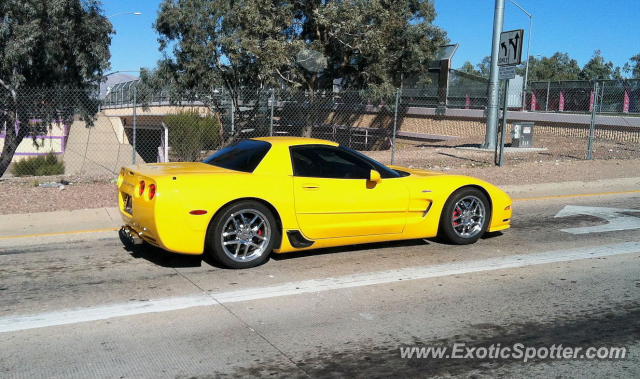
374, 176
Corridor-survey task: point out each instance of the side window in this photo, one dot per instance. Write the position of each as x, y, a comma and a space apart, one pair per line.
327, 162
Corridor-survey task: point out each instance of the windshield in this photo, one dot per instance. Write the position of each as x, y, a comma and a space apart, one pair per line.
244, 155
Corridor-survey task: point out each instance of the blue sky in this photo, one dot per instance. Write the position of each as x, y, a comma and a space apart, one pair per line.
577, 27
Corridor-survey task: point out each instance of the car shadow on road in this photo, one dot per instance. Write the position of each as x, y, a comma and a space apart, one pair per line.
163, 258
348, 248
486, 235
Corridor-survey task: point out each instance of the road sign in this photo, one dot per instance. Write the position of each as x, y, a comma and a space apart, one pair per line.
506, 72
510, 52
616, 218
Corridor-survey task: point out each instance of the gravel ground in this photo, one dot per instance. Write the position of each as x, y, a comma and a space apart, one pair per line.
24, 195
563, 161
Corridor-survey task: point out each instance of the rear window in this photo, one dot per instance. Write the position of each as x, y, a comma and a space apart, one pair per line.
244, 155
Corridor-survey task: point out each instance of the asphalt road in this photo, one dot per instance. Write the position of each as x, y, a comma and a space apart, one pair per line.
92, 309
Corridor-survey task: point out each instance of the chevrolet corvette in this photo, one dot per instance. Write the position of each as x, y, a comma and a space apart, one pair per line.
284, 194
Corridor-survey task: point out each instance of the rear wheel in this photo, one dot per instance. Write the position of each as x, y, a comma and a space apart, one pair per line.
242, 235
465, 216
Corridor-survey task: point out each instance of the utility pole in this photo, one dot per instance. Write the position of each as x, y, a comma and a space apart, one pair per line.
135, 124
530, 32
494, 84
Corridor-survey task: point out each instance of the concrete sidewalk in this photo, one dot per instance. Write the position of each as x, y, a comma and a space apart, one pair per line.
572, 187
77, 225
33, 229
58, 222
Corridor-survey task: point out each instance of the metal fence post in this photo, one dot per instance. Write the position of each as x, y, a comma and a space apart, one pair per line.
546, 103
395, 128
592, 126
273, 99
133, 151
233, 129
502, 136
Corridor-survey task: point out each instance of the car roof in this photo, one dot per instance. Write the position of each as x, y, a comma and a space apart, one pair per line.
294, 141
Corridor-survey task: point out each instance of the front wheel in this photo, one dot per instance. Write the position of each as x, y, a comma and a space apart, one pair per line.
465, 216
242, 235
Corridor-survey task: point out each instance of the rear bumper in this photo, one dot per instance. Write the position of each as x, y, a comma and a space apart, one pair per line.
136, 235
132, 233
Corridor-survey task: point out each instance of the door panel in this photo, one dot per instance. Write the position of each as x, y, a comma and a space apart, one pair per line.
330, 208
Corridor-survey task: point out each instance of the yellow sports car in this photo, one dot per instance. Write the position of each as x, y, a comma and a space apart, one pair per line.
282, 194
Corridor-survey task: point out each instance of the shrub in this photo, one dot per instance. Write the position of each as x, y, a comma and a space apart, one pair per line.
38, 166
190, 133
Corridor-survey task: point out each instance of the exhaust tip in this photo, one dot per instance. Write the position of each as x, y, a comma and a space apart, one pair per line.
129, 236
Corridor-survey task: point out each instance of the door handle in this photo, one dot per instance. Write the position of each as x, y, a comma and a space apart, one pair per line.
310, 187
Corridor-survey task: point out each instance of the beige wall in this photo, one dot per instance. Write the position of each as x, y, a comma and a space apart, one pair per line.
154, 111
99, 149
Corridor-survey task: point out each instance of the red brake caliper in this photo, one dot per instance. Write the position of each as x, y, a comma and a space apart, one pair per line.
260, 232
457, 213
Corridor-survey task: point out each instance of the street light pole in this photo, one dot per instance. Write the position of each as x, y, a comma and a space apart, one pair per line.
526, 70
525, 85
492, 106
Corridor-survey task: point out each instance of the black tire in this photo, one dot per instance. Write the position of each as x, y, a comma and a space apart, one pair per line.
215, 239
449, 217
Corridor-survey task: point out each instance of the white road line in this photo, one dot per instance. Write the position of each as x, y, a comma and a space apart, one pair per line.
616, 219
72, 316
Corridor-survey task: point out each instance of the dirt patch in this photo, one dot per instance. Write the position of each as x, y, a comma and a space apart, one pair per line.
563, 160
24, 195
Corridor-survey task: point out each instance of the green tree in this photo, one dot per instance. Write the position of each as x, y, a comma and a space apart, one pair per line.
598, 68
559, 66
484, 67
633, 67
303, 44
468, 68
61, 45
190, 133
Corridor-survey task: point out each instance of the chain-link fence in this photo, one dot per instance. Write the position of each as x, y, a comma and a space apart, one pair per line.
421, 127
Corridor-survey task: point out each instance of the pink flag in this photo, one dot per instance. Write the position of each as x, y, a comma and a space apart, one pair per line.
534, 101
625, 103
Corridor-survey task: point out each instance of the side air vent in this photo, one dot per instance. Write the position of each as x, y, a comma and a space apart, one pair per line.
297, 239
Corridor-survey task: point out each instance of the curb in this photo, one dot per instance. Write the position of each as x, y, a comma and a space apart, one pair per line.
566, 189
58, 222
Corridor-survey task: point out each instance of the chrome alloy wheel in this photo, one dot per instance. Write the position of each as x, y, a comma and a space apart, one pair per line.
468, 217
245, 235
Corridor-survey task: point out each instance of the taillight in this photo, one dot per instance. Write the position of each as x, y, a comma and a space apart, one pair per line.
141, 187
152, 191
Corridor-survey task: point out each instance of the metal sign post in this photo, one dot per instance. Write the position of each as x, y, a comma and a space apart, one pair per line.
509, 56
492, 104
502, 130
